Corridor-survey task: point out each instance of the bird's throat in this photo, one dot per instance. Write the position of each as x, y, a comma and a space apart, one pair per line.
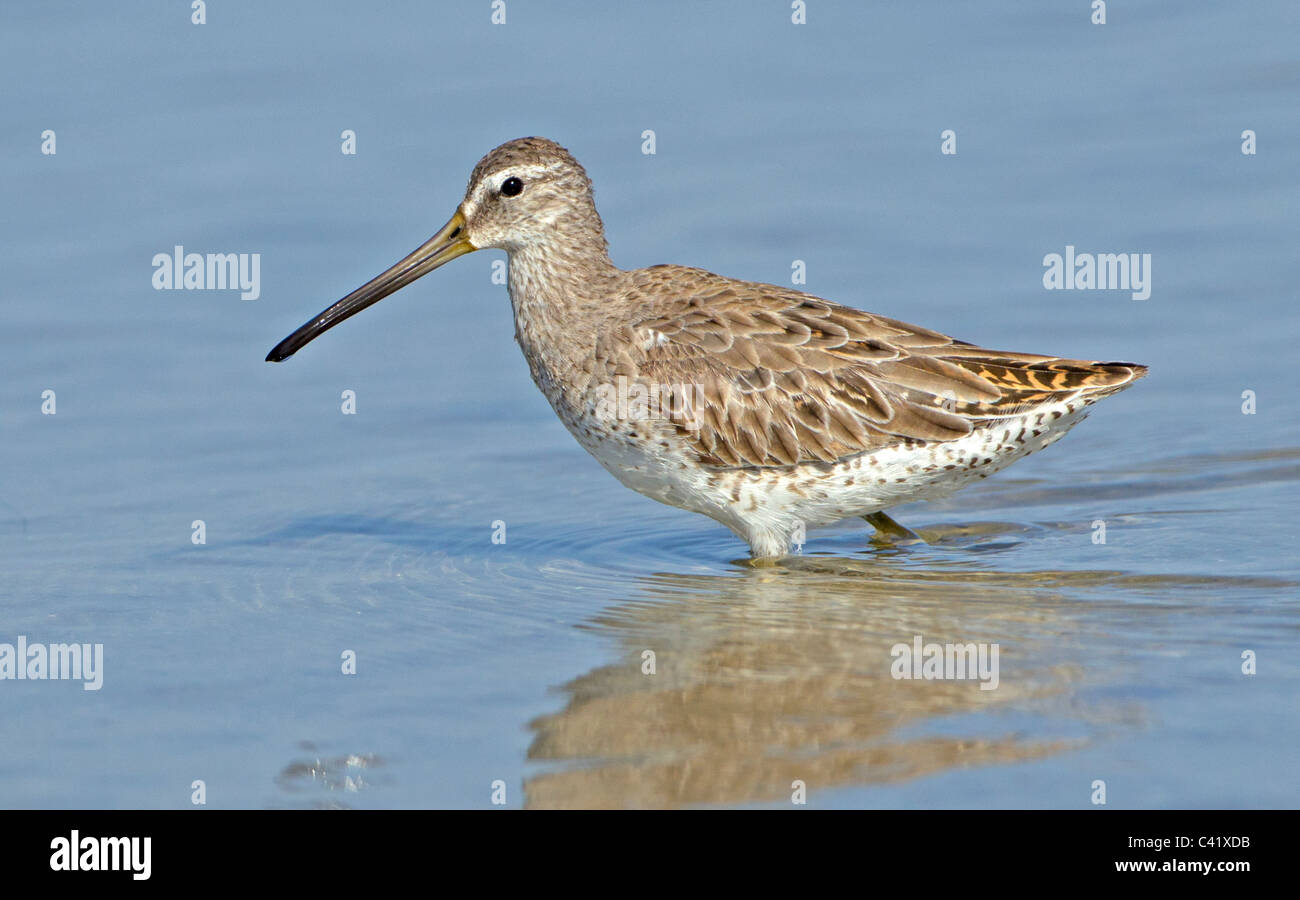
561, 310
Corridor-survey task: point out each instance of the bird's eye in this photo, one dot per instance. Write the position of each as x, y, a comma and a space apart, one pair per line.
511, 187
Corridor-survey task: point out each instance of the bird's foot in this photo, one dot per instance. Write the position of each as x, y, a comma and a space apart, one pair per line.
890, 532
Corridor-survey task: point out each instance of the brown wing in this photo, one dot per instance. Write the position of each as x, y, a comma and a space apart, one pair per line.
779, 377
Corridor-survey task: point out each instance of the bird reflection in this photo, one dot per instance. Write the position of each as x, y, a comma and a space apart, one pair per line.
778, 676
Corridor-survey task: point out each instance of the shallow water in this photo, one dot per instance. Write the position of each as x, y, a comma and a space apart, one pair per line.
522, 662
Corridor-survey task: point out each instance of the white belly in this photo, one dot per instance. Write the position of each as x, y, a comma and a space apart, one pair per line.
768, 507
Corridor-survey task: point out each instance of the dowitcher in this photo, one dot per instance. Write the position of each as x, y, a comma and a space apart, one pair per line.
765, 408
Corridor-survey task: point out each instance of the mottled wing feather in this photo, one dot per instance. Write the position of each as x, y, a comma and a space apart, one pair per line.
780, 377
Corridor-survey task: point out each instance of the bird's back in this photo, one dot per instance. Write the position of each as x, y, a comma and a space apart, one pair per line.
774, 377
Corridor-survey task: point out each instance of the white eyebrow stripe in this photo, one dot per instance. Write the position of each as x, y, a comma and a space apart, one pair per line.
531, 170
492, 183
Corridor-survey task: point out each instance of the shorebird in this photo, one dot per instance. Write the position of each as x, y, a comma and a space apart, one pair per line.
765, 408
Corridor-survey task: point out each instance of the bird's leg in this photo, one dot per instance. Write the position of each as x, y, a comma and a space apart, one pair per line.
884, 525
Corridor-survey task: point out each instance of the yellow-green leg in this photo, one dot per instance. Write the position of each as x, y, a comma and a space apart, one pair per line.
884, 525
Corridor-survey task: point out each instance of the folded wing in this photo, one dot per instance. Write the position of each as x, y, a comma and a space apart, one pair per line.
759, 375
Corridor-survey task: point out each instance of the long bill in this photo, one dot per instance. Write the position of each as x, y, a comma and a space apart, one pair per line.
449, 243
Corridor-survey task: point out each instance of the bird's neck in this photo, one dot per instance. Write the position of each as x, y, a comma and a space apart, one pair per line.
560, 292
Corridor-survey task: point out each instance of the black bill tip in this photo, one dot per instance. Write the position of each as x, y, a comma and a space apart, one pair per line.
280, 353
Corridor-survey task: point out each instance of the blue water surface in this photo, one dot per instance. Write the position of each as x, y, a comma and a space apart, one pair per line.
523, 662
